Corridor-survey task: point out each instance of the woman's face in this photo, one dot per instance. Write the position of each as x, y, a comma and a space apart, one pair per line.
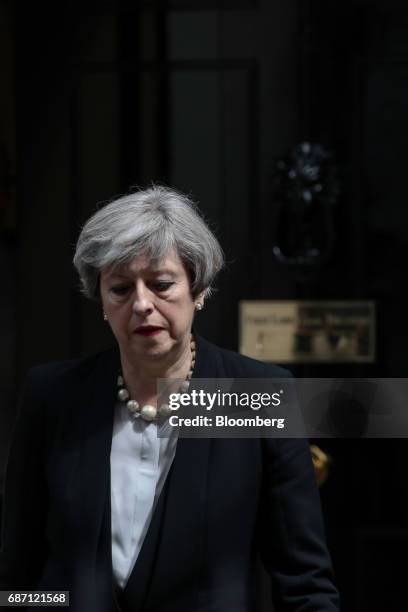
149, 306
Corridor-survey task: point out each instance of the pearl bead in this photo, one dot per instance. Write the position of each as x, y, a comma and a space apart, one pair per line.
165, 410
123, 395
148, 412
133, 406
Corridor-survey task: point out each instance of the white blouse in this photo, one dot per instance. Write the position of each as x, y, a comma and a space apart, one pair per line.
140, 462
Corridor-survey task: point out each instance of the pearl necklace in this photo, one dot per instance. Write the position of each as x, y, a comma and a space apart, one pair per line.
149, 412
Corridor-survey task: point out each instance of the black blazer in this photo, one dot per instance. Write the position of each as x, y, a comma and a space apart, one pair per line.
225, 501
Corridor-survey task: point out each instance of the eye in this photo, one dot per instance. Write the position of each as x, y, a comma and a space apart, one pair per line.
162, 286
120, 289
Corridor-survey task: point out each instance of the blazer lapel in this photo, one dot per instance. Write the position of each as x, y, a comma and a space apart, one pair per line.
181, 541
96, 417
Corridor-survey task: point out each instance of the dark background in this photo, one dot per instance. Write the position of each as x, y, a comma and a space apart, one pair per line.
206, 96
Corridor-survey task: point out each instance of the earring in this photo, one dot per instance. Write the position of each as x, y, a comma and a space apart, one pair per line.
198, 306
105, 316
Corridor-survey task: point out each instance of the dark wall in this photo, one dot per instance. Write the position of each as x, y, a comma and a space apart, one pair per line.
8, 321
206, 96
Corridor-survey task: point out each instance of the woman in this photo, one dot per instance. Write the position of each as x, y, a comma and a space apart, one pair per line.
97, 504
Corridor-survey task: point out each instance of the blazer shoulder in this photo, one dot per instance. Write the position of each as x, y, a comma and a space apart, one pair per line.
64, 373
234, 364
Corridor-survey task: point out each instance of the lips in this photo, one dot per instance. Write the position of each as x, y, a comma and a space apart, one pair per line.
148, 330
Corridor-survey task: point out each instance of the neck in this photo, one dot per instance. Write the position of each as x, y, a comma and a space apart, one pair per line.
141, 377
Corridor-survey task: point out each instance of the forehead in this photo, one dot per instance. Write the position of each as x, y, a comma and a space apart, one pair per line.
144, 265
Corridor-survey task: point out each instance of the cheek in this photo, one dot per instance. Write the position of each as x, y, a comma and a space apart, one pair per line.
118, 318
188, 313
179, 314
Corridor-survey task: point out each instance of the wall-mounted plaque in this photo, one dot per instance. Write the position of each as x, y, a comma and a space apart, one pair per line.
303, 332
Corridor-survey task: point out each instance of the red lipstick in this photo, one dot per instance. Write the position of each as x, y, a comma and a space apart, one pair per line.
148, 330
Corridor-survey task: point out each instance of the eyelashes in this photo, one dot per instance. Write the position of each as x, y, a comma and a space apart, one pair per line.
158, 286
122, 290
162, 285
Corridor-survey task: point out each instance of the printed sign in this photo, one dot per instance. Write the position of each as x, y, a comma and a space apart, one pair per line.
308, 331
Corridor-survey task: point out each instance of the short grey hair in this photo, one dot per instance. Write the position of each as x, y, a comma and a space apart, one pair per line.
149, 222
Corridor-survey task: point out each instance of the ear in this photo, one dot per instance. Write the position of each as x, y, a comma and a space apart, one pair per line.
200, 299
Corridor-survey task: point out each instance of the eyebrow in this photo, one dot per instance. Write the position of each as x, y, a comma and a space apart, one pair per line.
129, 275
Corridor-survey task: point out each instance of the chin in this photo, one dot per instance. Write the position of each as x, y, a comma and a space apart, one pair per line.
155, 350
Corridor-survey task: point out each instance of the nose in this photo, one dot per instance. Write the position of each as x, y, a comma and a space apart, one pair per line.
142, 302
